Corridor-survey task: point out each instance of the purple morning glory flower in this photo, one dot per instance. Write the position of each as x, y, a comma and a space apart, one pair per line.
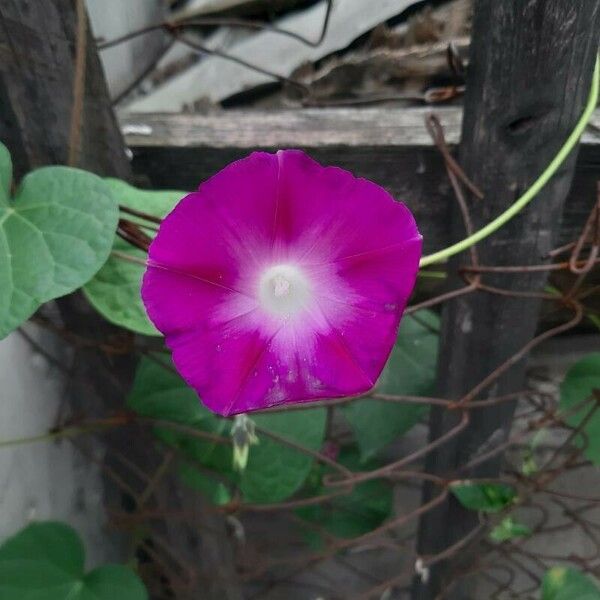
281, 281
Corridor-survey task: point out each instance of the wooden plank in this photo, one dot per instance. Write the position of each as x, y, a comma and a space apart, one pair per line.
413, 176
524, 55
36, 91
309, 127
389, 146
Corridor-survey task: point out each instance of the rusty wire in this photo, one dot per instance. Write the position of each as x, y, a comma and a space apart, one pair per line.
176, 30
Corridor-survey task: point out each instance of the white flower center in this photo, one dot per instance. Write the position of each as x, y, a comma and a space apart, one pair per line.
283, 290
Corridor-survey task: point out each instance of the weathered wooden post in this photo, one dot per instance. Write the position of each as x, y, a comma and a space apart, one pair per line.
531, 63
37, 51
36, 91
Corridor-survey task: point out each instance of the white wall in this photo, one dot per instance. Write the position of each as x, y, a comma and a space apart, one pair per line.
51, 480
44, 480
113, 18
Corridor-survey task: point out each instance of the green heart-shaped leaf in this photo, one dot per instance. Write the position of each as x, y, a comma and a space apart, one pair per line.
410, 371
115, 291
562, 583
45, 561
55, 234
579, 384
486, 497
274, 470
362, 509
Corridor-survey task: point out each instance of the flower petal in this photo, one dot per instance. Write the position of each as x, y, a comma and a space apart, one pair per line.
326, 214
248, 369
378, 287
177, 301
226, 259
222, 232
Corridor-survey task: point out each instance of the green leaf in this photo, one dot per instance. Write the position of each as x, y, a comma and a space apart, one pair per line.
275, 471
110, 582
410, 371
158, 392
45, 561
55, 235
486, 497
5, 173
579, 383
115, 291
562, 583
51, 542
509, 529
366, 507
158, 203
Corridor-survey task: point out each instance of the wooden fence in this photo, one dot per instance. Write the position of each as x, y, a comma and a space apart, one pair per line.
389, 146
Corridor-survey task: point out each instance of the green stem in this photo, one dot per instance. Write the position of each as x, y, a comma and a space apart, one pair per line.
128, 257
539, 183
433, 274
53, 435
44, 437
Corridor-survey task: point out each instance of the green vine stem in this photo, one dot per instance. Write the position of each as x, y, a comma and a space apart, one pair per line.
66, 432
44, 437
538, 184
